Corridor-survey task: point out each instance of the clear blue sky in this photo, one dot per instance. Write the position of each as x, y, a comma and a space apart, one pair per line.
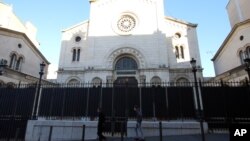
51, 16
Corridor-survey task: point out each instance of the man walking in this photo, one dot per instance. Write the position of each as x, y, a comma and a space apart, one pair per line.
138, 123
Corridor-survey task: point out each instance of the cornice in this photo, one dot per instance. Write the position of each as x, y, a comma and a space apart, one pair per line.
180, 21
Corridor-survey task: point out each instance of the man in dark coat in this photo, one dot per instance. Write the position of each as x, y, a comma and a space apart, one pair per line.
138, 123
101, 121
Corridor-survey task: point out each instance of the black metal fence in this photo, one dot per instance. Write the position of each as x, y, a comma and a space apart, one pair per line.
223, 103
155, 102
15, 110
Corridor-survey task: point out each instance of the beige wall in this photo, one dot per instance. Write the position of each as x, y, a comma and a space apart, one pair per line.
229, 56
12, 34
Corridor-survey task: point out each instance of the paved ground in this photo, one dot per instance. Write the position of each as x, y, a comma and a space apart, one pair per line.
209, 137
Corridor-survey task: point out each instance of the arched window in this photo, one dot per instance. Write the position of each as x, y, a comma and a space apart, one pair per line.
13, 60
155, 81
78, 54
248, 51
74, 55
177, 53
182, 82
10, 85
1, 83
126, 63
19, 64
182, 52
74, 81
97, 82
241, 54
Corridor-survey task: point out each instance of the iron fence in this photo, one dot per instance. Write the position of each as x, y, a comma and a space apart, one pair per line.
223, 103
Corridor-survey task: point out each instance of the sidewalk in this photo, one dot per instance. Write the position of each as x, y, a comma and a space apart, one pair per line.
209, 137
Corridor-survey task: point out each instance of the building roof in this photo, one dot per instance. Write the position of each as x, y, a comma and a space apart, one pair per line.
181, 21
236, 26
28, 39
76, 25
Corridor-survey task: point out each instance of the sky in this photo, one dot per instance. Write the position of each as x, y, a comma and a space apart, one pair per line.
52, 16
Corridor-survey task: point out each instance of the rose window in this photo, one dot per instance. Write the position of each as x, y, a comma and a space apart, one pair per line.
126, 23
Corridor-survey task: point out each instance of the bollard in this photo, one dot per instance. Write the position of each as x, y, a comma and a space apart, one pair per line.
160, 128
83, 132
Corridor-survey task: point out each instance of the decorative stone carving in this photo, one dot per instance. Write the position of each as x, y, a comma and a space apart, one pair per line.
126, 23
126, 50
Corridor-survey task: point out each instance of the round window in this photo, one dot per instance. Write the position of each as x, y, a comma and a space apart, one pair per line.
78, 39
126, 23
177, 35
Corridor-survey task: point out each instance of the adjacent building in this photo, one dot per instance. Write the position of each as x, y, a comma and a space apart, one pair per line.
19, 47
128, 40
229, 59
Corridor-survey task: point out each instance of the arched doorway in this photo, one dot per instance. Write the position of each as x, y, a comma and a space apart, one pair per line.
125, 69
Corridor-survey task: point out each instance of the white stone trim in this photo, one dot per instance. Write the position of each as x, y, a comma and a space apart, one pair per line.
123, 51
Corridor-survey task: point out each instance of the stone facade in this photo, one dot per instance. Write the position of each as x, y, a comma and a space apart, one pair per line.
18, 45
229, 59
128, 38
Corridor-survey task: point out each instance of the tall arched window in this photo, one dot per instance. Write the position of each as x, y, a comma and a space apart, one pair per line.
177, 53
74, 55
13, 61
248, 51
126, 63
19, 63
241, 54
182, 52
78, 54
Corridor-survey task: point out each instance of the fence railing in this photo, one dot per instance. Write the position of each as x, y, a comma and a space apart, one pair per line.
223, 103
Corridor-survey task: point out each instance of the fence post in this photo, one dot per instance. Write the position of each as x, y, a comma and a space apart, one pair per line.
122, 126
50, 132
201, 100
17, 133
126, 100
83, 132
100, 102
154, 102
166, 92
64, 97
160, 128
112, 124
140, 96
87, 106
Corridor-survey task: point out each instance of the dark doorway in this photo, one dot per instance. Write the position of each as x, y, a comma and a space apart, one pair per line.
126, 81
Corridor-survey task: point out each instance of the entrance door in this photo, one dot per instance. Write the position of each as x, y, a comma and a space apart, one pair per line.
126, 81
